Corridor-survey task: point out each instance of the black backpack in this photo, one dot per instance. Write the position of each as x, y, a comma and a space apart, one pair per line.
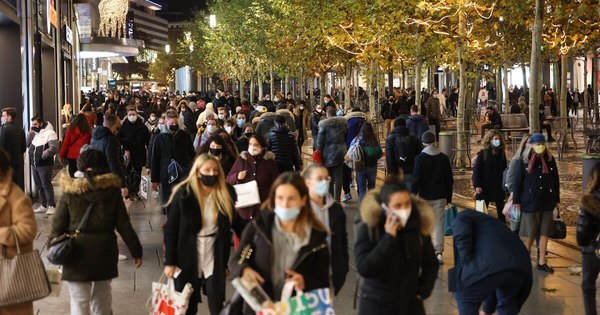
406, 152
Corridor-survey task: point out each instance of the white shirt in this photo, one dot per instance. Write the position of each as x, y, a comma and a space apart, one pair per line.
206, 241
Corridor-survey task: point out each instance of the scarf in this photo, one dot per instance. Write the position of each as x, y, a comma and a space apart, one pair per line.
535, 156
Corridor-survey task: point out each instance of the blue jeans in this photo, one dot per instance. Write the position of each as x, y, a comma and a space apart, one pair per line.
365, 180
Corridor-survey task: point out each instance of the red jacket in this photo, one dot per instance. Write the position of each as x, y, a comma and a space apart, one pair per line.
73, 142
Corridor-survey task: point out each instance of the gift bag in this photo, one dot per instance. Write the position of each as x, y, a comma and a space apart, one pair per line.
480, 206
314, 302
514, 214
247, 194
165, 300
449, 216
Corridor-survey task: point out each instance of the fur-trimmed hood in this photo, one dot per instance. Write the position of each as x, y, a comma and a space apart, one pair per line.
370, 211
267, 156
591, 203
80, 186
356, 115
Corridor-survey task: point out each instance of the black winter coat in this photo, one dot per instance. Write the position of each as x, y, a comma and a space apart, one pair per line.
106, 142
12, 140
399, 272
167, 146
588, 222
389, 111
135, 138
331, 140
312, 261
283, 145
432, 177
537, 191
401, 149
487, 174
184, 222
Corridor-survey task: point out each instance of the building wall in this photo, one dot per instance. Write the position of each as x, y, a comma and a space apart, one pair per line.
10, 63
150, 28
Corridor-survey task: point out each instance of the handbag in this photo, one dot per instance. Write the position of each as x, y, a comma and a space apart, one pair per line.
61, 247
559, 228
23, 277
166, 300
481, 206
247, 194
449, 216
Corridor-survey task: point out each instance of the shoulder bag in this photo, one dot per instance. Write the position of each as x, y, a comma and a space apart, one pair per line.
61, 247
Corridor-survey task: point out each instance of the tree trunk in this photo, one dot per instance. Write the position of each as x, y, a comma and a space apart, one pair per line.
535, 67
322, 84
594, 98
372, 88
311, 91
287, 85
272, 83
261, 93
506, 94
302, 88
564, 59
461, 140
418, 67
347, 91
356, 94
499, 89
251, 91
524, 76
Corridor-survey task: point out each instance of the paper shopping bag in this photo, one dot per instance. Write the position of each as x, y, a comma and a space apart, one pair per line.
247, 194
480, 206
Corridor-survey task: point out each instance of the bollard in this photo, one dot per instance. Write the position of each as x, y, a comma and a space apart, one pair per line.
447, 143
587, 164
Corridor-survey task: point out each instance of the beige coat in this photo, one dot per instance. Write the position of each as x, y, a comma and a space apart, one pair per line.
16, 212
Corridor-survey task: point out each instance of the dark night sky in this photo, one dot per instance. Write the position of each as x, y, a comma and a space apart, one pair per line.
176, 10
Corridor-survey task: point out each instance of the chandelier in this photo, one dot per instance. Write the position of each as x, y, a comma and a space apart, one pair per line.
113, 17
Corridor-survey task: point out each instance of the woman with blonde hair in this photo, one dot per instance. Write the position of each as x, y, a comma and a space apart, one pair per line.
286, 242
197, 235
488, 171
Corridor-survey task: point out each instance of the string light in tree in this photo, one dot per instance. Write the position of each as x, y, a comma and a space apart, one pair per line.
113, 17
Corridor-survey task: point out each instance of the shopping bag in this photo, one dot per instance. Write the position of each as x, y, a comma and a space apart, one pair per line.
145, 187
55, 278
165, 300
308, 303
317, 157
514, 213
559, 228
449, 216
480, 206
247, 194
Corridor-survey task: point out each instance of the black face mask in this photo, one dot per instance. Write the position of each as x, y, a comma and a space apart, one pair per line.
173, 127
208, 180
248, 134
36, 129
216, 152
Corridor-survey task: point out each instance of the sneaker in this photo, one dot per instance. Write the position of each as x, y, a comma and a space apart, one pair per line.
122, 257
40, 209
545, 268
50, 211
347, 197
440, 259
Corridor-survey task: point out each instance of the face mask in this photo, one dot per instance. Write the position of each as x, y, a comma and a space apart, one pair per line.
539, 148
228, 129
208, 180
173, 128
301, 107
152, 118
79, 174
3, 120
496, 142
248, 134
163, 128
36, 129
241, 122
287, 214
254, 151
322, 187
221, 116
211, 128
216, 152
403, 215
435, 96
132, 118
183, 109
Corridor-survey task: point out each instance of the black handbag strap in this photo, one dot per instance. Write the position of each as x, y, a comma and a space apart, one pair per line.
84, 220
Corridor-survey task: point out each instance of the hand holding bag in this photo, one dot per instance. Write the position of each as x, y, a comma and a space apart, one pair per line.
61, 247
480, 206
304, 303
559, 228
23, 277
166, 300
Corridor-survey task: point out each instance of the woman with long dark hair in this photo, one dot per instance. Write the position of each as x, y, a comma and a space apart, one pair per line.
588, 227
366, 176
78, 134
488, 171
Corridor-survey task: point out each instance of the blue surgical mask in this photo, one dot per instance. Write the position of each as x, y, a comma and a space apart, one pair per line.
163, 128
322, 187
241, 122
496, 143
287, 214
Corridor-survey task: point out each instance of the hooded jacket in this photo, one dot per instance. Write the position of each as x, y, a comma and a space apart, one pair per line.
43, 146
265, 124
432, 176
331, 140
400, 271
95, 255
106, 142
283, 145
588, 222
135, 138
290, 119
355, 123
417, 124
401, 158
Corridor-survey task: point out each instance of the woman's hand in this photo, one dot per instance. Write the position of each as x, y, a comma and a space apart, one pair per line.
478, 190
252, 275
170, 271
138, 262
392, 224
241, 175
297, 278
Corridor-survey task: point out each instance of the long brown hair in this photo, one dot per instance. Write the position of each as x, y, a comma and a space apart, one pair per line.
594, 180
307, 216
80, 122
487, 141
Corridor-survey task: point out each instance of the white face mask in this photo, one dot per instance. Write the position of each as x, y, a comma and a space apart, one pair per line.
211, 128
221, 116
254, 151
132, 118
228, 129
403, 214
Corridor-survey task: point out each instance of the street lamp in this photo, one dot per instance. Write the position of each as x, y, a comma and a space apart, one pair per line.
168, 48
212, 21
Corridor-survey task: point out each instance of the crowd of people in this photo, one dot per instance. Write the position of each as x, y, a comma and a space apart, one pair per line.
196, 150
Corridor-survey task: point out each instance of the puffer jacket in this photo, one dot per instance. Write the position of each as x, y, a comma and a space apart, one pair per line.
265, 124
283, 145
588, 222
43, 146
331, 140
106, 142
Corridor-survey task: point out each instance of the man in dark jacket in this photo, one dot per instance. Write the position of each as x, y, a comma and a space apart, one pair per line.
170, 149
389, 112
42, 142
416, 123
283, 145
135, 138
588, 227
491, 264
401, 149
12, 140
433, 112
494, 120
315, 118
331, 141
355, 119
432, 180
104, 139
265, 124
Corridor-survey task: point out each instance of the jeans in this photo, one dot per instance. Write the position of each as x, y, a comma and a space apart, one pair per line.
438, 231
42, 176
335, 187
365, 180
589, 273
95, 296
511, 289
347, 178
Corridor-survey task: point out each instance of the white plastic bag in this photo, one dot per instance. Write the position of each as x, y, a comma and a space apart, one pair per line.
166, 300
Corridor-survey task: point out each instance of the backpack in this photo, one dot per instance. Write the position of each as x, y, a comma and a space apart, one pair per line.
406, 153
355, 158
